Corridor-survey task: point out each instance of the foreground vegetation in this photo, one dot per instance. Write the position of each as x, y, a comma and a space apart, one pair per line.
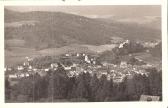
56, 86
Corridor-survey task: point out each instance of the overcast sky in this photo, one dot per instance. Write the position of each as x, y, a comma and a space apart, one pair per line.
98, 11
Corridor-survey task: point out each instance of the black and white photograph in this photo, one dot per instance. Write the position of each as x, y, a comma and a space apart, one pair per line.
87, 53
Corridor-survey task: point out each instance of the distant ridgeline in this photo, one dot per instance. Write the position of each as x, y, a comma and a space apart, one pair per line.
43, 30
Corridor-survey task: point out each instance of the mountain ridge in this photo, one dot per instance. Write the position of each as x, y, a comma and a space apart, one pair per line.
57, 29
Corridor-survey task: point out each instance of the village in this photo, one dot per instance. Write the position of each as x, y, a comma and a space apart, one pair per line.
77, 63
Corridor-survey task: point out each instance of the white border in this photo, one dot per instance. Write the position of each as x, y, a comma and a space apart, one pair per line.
162, 104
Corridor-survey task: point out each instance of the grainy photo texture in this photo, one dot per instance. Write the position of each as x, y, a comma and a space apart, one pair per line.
83, 53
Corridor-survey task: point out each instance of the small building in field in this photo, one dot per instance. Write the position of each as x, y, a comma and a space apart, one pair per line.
149, 98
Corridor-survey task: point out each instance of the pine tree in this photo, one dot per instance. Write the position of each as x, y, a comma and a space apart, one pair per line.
94, 85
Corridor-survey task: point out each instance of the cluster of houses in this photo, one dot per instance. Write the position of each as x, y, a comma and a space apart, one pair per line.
89, 64
151, 44
84, 63
26, 69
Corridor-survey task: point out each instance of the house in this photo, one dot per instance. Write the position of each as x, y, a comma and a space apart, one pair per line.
28, 58
94, 62
13, 76
66, 67
30, 67
46, 70
104, 63
22, 75
79, 69
108, 77
67, 55
26, 63
77, 54
87, 59
5, 69
118, 79
149, 98
122, 44
123, 64
20, 68
9, 69
54, 65
35, 69
85, 71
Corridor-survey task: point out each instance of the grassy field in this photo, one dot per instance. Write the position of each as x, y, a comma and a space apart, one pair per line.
101, 48
147, 57
15, 42
17, 54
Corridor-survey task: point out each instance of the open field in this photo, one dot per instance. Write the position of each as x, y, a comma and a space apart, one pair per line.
15, 42
18, 54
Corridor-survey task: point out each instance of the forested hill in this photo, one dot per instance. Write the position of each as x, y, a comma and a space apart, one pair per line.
56, 29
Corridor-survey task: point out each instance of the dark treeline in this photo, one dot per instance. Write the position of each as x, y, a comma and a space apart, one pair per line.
56, 86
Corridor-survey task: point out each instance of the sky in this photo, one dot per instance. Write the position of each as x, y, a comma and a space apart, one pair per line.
126, 11
148, 15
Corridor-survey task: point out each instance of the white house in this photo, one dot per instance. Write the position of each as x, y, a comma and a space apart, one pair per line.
77, 54
67, 55
46, 70
67, 68
20, 68
5, 69
9, 69
123, 64
94, 62
27, 75
22, 75
30, 59
54, 65
13, 76
30, 67
26, 64
34, 69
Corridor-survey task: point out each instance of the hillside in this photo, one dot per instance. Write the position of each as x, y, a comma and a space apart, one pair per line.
157, 50
42, 30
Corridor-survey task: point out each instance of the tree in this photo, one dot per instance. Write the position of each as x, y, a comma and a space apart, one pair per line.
71, 87
105, 89
7, 89
57, 88
155, 82
94, 85
82, 90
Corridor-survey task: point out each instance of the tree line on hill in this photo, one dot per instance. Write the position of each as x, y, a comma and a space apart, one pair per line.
115, 55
